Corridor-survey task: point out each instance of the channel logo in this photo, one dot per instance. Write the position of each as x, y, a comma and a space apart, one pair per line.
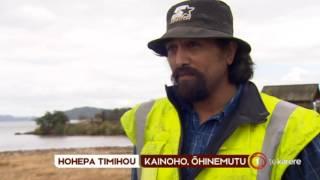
258, 160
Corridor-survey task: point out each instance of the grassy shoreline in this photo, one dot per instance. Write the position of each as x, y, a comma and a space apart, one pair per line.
38, 165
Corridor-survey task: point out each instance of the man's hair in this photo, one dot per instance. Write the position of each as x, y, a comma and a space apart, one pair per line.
241, 70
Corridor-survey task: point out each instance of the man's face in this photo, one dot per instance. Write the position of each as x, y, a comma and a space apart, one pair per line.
199, 66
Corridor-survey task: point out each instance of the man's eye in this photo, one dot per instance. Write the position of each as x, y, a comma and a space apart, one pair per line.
170, 48
193, 44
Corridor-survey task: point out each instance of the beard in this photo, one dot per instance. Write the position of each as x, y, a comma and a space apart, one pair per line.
190, 90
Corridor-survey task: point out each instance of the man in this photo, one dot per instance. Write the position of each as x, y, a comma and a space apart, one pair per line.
213, 108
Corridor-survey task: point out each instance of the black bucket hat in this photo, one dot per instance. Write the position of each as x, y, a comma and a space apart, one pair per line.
198, 19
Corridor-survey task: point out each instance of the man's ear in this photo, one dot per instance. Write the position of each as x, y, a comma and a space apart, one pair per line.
231, 52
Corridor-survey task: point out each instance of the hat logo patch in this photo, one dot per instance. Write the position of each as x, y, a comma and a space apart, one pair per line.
182, 13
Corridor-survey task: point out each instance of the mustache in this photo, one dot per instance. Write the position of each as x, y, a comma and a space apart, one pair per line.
186, 70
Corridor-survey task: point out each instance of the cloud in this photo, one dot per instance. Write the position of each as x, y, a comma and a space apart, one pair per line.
286, 34
300, 75
27, 16
36, 13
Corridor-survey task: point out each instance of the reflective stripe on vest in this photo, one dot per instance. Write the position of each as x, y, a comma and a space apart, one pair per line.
274, 133
141, 118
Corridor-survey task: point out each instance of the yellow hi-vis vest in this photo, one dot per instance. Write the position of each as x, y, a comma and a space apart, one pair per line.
163, 130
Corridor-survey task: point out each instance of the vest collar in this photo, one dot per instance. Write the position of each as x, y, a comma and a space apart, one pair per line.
250, 108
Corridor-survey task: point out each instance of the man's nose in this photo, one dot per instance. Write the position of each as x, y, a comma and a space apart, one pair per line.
182, 58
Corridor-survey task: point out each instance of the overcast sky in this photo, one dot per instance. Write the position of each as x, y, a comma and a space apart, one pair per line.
60, 54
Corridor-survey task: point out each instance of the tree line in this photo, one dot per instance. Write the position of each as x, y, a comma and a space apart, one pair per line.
106, 122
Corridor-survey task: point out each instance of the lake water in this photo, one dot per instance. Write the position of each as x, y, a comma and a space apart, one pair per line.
11, 142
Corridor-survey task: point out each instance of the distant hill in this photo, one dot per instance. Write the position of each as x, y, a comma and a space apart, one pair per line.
84, 112
77, 113
14, 118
